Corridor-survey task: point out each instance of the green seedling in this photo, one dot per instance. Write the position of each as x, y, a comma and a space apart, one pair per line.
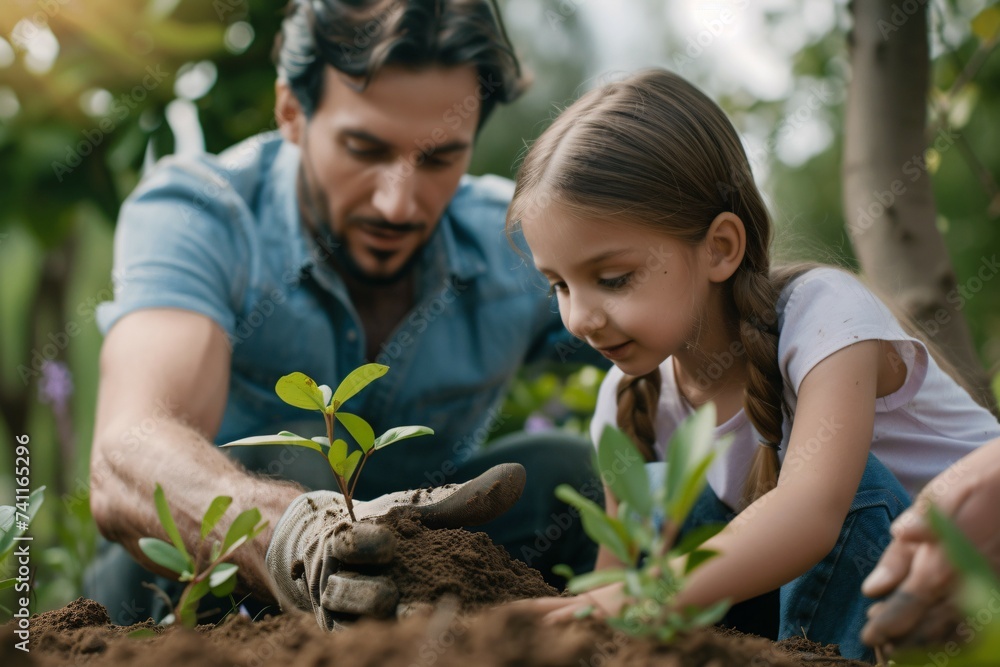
217, 575
980, 641
644, 532
14, 521
300, 390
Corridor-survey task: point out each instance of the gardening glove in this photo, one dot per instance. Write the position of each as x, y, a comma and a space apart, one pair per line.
315, 543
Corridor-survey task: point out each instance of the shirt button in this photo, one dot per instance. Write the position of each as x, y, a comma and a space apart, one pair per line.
352, 335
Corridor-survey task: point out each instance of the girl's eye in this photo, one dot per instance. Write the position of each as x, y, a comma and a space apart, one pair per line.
617, 282
555, 288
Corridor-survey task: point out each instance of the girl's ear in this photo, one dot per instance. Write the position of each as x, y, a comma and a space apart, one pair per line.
725, 242
288, 112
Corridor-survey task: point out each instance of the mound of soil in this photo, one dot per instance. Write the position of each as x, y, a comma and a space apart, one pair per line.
449, 579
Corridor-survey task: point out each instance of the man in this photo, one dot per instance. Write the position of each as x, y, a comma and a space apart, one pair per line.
351, 236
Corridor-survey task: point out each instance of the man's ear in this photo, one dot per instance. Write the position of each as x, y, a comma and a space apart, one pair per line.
725, 242
288, 112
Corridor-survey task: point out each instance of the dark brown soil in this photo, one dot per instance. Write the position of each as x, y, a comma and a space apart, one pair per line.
496, 637
464, 573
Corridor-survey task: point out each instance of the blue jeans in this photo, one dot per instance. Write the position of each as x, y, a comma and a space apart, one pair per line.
826, 603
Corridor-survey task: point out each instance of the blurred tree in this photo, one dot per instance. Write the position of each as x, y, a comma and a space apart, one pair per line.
887, 191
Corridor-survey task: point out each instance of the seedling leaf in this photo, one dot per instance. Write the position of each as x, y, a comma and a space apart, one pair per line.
222, 580
597, 524
360, 430
276, 440
8, 530
623, 470
349, 465
355, 381
697, 557
327, 394
401, 433
595, 579
242, 526
7, 583
692, 487
563, 570
321, 440
690, 444
300, 390
167, 521
141, 633
338, 455
215, 510
696, 537
165, 554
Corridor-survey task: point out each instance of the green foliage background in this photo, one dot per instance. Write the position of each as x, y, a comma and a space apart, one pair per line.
58, 212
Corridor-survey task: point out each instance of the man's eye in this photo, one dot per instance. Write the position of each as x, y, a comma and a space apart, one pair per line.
363, 150
617, 282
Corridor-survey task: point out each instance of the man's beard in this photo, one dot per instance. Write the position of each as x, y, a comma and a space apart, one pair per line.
342, 258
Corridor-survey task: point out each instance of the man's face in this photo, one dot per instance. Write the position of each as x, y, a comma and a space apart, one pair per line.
385, 162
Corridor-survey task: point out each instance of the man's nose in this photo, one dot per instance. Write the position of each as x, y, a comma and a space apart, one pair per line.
395, 196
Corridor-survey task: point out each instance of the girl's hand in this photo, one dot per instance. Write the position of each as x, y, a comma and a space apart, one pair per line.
606, 601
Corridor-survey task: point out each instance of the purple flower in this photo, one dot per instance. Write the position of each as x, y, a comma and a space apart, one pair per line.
536, 423
56, 384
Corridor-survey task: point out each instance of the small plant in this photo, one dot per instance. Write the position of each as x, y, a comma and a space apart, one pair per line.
217, 576
14, 521
643, 534
300, 390
979, 586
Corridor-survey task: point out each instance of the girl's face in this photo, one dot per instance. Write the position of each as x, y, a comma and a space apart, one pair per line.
634, 294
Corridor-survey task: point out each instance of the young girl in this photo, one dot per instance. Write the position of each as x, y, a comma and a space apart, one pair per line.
639, 206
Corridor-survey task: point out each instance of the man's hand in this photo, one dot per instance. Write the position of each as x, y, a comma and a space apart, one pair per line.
315, 544
915, 572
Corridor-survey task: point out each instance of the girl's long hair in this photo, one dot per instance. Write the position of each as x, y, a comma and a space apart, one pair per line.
654, 150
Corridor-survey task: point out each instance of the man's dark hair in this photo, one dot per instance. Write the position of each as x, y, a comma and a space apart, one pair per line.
359, 37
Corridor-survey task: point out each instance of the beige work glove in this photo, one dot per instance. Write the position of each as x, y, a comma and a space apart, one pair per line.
315, 544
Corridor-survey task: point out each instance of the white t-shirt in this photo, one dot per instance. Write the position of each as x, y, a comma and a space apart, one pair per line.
922, 428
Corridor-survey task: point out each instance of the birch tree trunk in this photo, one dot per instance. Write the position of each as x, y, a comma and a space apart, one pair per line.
888, 202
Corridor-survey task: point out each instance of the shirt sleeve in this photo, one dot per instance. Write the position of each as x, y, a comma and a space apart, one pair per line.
177, 246
826, 310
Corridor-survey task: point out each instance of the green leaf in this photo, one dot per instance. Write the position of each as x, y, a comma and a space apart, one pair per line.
690, 444
290, 434
141, 633
215, 510
596, 579
275, 440
222, 580
300, 390
165, 555
8, 514
693, 486
349, 465
321, 440
337, 454
710, 615
601, 528
697, 557
327, 393
986, 24
242, 526
696, 537
623, 469
563, 570
7, 583
188, 612
359, 429
356, 380
167, 521
401, 433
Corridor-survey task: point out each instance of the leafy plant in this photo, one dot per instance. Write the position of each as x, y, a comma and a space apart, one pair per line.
14, 521
644, 533
300, 390
217, 576
979, 586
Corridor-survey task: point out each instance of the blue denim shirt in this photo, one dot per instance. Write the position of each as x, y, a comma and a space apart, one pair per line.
222, 236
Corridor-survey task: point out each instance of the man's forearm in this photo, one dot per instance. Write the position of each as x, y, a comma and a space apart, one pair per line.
191, 471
